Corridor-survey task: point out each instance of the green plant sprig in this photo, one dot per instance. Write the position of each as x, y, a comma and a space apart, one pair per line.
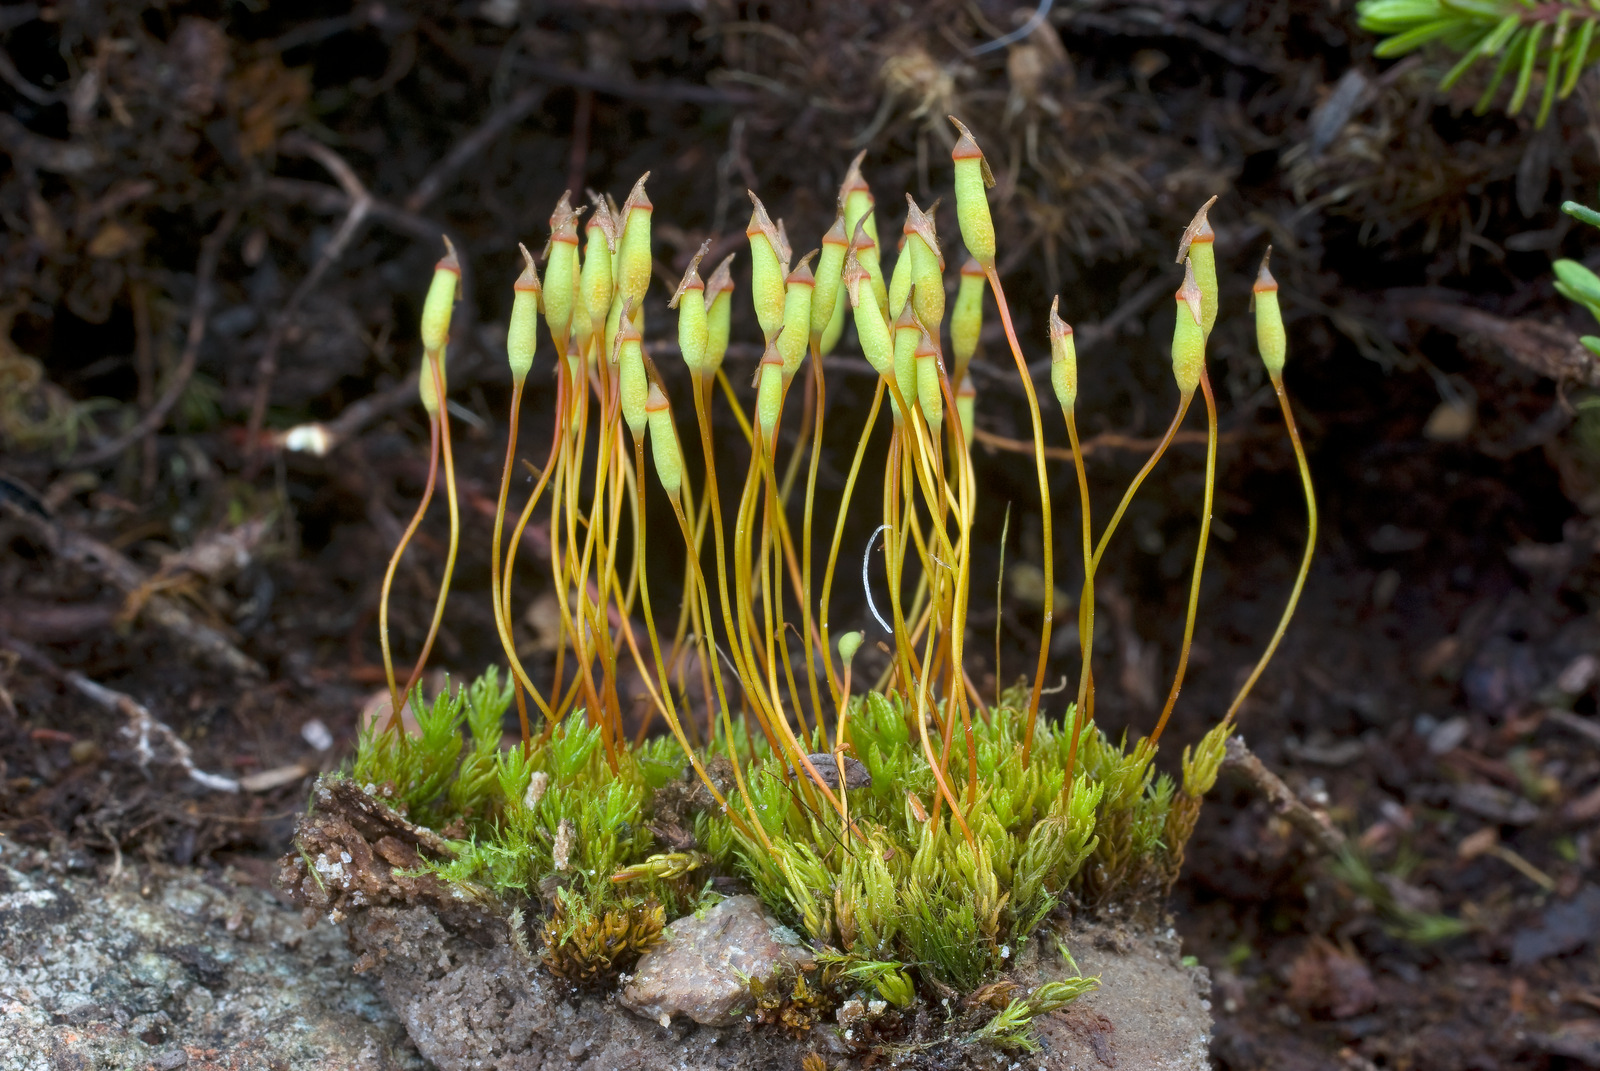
1556, 38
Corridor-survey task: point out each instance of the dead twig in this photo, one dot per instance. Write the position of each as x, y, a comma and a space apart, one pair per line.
14, 79
629, 89
1589, 728
1106, 440
1313, 823
355, 216
143, 728
111, 568
1549, 350
474, 143
205, 295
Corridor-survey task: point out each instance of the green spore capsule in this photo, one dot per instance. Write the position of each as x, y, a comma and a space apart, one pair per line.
973, 181
848, 645
864, 248
1270, 336
690, 301
927, 266
929, 393
522, 333
441, 300
769, 263
582, 331
664, 446
769, 395
633, 384
799, 291
1198, 244
830, 275
1188, 337
1063, 360
871, 329
560, 273
719, 313
900, 279
906, 330
633, 250
595, 278
966, 318
835, 328
427, 389
966, 409
856, 197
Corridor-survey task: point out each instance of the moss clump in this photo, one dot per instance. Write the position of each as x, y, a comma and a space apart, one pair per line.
915, 834
893, 894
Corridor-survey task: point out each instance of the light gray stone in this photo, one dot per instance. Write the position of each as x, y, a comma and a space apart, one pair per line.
157, 967
702, 967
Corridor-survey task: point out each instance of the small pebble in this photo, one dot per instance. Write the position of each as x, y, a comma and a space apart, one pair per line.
315, 733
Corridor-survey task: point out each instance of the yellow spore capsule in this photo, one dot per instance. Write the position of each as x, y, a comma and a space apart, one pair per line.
768, 265
560, 273
522, 333
633, 250
1188, 337
927, 266
966, 318
441, 300
769, 395
690, 301
830, 275
633, 384
966, 409
1199, 245
719, 313
929, 393
973, 180
798, 293
1270, 336
848, 645
906, 330
871, 329
664, 446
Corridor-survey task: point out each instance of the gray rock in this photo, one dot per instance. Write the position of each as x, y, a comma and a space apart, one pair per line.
492, 1009
1494, 803
702, 967
1565, 927
166, 968
1150, 1012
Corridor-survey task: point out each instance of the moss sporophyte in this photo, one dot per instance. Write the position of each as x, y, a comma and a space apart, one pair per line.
916, 832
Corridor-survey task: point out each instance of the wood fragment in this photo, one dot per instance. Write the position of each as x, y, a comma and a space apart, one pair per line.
1313, 824
110, 567
143, 728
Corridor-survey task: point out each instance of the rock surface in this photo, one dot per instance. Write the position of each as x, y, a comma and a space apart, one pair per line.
702, 966
459, 972
473, 1006
155, 967
1151, 1012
